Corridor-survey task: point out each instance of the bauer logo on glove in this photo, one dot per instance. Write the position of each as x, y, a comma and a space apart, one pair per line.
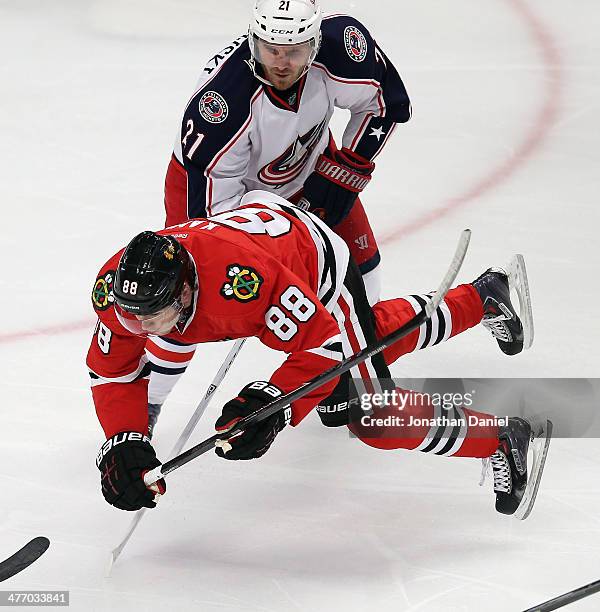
123, 460
256, 440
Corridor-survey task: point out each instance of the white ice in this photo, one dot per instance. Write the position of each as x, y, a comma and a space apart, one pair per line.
504, 135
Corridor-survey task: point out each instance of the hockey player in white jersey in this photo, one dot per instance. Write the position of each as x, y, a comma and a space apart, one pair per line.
259, 119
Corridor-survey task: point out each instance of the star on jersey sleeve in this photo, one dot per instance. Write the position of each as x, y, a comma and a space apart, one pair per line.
364, 81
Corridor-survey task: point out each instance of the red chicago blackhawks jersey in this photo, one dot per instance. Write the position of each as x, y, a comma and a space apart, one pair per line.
238, 134
267, 269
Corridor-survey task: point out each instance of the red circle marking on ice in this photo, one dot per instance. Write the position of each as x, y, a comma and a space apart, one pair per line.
532, 140
50, 330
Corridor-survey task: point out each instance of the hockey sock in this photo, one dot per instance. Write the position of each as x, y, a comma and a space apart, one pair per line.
461, 310
418, 421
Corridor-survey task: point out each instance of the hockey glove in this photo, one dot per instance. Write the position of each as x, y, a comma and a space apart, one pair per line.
256, 440
123, 460
331, 190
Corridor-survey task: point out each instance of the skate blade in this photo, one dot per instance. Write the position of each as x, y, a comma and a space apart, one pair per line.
539, 447
517, 280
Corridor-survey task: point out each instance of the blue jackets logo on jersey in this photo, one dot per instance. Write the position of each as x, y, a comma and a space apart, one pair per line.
356, 43
213, 107
291, 162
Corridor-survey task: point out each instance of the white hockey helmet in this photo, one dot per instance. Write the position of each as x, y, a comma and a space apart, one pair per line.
285, 22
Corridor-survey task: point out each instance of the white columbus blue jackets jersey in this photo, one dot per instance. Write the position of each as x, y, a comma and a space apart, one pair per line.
238, 134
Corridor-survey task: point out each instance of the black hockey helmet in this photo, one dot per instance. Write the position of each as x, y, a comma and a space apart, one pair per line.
151, 273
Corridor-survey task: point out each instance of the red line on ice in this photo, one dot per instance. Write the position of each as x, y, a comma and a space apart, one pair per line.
531, 142
50, 330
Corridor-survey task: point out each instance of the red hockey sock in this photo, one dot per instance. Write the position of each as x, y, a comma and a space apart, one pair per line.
417, 421
461, 310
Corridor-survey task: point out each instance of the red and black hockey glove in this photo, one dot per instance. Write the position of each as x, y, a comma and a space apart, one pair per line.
123, 460
256, 440
331, 190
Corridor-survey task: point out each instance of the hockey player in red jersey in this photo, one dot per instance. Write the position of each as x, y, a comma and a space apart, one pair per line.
271, 270
259, 119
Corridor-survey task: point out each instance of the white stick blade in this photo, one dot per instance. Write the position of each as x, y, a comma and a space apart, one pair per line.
109, 564
451, 274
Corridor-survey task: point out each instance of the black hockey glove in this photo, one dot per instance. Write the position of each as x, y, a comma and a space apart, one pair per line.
123, 460
331, 190
256, 440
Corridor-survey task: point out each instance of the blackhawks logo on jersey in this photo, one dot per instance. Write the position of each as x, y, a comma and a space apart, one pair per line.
244, 284
102, 293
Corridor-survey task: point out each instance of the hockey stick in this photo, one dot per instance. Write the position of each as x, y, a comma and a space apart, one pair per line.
347, 364
567, 598
24, 557
183, 438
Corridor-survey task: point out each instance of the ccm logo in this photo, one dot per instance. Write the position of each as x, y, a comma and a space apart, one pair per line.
282, 31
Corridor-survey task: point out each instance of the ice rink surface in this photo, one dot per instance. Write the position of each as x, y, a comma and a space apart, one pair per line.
505, 96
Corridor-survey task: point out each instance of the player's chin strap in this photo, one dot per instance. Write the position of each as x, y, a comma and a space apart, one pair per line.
266, 411
252, 63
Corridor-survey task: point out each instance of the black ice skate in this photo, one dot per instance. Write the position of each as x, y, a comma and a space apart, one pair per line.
512, 331
153, 412
515, 487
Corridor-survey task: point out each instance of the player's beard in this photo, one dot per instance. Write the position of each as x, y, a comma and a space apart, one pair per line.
283, 80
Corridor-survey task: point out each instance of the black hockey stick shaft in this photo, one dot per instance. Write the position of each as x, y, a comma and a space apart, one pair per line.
24, 557
266, 411
567, 598
347, 364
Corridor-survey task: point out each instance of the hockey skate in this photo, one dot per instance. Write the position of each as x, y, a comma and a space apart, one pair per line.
513, 331
518, 464
153, 412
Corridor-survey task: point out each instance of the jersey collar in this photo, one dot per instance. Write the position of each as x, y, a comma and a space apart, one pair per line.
289, 99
